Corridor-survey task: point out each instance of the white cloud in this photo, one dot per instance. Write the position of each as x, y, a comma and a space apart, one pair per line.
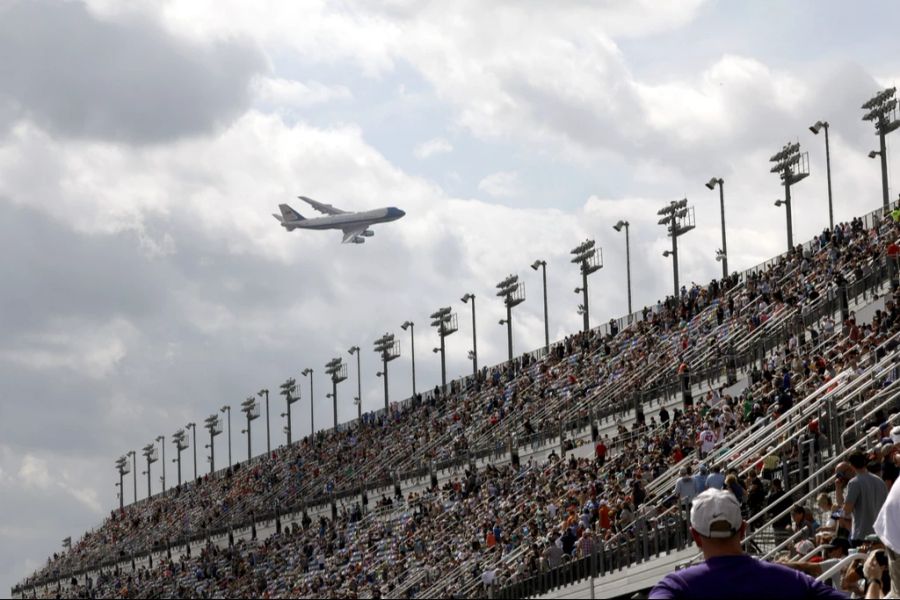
503, 184
432, 147
291, 95
34, 472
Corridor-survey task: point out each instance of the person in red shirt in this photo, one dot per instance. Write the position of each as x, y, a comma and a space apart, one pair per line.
600, 453
604, 515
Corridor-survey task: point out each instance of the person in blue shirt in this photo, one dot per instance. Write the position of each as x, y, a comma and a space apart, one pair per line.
718, 528
715, 480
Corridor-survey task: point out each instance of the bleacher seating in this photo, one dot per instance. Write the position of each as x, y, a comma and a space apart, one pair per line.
754, 359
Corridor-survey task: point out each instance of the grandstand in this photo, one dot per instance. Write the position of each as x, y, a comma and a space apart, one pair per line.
500, 486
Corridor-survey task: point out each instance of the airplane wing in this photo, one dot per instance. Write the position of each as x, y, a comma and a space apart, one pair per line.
322, 208
354, 234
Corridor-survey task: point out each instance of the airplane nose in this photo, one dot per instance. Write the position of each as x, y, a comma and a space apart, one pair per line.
396, 213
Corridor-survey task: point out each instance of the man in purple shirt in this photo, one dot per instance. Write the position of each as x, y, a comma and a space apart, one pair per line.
717, 528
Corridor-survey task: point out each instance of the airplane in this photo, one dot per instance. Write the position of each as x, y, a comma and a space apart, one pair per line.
355, 225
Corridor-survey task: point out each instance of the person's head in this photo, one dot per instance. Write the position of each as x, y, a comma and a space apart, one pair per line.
839, 547
798, 513
716, 523
823, 501
844, 471
858, 461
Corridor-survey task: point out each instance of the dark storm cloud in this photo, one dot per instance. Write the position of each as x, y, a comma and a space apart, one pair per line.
126, 80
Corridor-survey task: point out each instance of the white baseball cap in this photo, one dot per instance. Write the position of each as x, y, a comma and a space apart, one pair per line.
716, 514
895, 434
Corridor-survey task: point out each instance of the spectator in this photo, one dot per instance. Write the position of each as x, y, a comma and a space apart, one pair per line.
865, 496
733, 485
834, 552
718, 528
887, 527
803, 520
716, 480
700, 479
685, 488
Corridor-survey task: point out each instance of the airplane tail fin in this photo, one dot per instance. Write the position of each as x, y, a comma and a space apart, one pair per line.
288, 214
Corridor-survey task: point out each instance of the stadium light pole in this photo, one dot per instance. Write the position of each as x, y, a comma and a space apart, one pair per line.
388, 349
193, 427
513, 293
816, 128
249, 407
351, 352
123, 468
227, 408
542, 264
792, 166
149, 452
133, 456
678, 219
589, 260
178, 438
288, 388
162, 444
338, 371
260, 394
445, 322
711, 184
465, 300
882, 111
312, 404
412, 340
213, 424
618, 227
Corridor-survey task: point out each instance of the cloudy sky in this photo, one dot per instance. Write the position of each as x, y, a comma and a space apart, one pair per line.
143, 146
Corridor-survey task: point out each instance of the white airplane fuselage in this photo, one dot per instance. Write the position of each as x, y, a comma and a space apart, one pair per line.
345, 220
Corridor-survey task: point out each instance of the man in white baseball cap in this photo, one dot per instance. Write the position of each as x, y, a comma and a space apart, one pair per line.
717, 529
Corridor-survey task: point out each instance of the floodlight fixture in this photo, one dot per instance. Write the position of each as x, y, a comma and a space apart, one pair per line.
882, 111
874, 154
474, 358
388, 349
678, 221
412, 340
792, 166
337, 369
589, 260
542, 264
444, 319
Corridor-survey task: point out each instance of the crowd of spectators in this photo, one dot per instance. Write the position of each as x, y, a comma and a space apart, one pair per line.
503, 523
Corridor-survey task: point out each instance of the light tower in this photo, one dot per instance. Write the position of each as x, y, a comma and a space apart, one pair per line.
882, 110
249, 407
542, 264
338, 371
590, 260
818, 126
152, 455
445, 322
513, 293
678, 218
124, 469
722, 254
213, 425
291, 394
792, 166
181, 441
388, 349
